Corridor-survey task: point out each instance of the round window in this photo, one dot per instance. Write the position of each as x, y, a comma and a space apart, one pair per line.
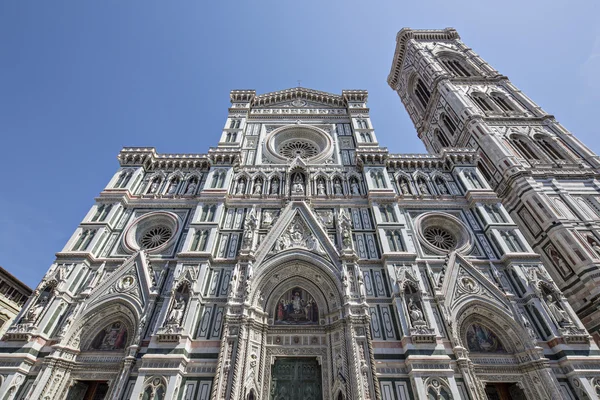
441, 232
153, 232
155, 237
298, 148
439, 237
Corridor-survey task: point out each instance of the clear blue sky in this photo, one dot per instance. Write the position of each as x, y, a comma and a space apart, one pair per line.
81, 79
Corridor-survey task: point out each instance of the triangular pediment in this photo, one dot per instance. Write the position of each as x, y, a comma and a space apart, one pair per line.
132, 281
297, 229
463, 281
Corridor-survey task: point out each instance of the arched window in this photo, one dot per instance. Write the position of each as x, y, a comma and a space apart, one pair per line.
481, 100
155, 390
449, 125
422, 93
200, 239
549, 147
455, 67
221, 179
523, 145
502, 102
441, 138
395, 240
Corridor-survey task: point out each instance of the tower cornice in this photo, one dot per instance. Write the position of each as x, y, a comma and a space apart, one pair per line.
406, 34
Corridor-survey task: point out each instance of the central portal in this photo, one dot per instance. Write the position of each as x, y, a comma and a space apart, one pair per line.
296, 379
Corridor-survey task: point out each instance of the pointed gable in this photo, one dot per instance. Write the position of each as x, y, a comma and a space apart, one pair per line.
133, 281
297, 228
462, 281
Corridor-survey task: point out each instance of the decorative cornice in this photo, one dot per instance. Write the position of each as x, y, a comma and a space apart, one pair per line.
299, 93
449, 157
242, 95
148, 158
404, 36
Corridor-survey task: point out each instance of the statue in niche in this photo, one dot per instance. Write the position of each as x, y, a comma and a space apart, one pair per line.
35, 311
354, 187
442, 186
337, 186
320, 188
249, 227
423, 187
345, 227
173, 186
298, 186
191, 189
404, 187
154, 186
557, 311
258, 187
275, 186
415, 313
176, 313
241, 188
480, 339
112, 337
267, 218
594, 244
296, 307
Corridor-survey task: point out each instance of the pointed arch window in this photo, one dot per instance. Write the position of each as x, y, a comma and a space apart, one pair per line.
481, 100
502, 102
449, 124
549, 147
422, 93
441, 138
523, 145
456, 67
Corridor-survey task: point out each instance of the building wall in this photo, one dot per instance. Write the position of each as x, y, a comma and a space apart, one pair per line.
298, 238
13, 295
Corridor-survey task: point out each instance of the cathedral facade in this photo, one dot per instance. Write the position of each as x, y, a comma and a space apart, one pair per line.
299, 259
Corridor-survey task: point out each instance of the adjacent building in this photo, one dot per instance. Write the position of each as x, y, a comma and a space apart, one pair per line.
13, 295
299, 259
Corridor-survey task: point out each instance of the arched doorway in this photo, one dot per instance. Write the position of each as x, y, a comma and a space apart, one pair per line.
496, 354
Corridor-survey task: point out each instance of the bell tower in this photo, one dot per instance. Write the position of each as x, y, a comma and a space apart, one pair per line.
547, 179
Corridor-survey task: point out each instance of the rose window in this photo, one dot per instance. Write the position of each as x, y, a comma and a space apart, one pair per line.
155, 237
298, 148
439, 237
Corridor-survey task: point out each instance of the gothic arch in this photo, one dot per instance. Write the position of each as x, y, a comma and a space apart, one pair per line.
101, 316
503, 324
297, 268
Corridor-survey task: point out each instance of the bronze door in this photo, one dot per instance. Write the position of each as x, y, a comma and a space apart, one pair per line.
296, 379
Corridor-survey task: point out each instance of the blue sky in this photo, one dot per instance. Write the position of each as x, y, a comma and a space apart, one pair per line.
79, 80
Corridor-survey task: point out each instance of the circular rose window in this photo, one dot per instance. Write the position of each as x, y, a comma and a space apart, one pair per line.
309, 143
155, 236
153, 232
440, 233
439, 237
298, 148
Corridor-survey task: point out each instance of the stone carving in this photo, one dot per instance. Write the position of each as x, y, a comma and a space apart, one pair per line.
404, 188
258, 186
298, 185
35, 311
345, 224
191, 189
416, 315
296, 235
275, 186
176, 313
337, 187
320, 187
250, 225
241, 187
354, 187
556, 310
267, 218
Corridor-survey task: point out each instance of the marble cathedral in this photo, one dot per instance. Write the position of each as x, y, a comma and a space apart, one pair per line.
299, 259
